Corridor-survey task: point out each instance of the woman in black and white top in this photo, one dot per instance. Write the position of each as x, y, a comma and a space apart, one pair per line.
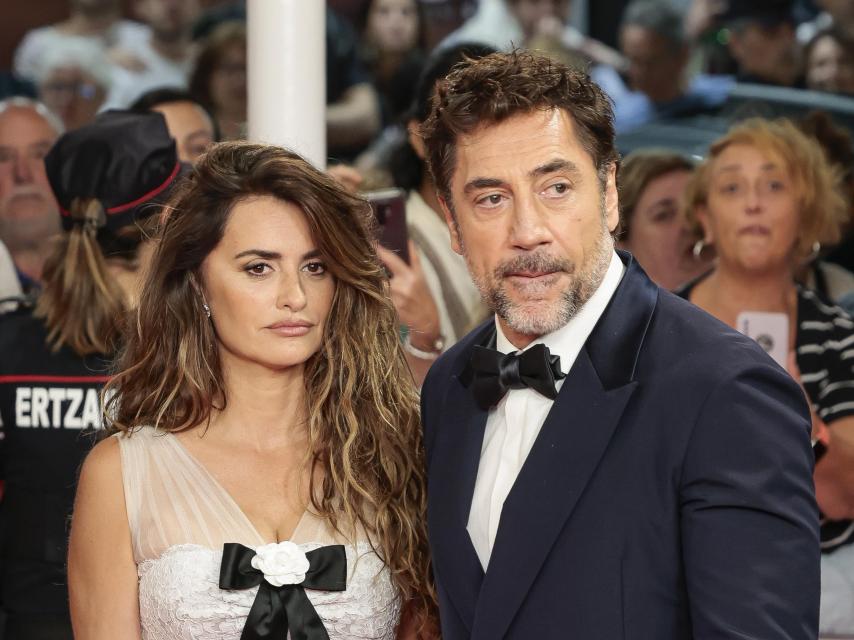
763, 197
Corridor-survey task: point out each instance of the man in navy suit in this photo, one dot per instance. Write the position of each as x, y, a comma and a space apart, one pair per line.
605, 461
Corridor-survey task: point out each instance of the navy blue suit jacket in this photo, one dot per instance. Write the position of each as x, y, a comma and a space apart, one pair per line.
668, 495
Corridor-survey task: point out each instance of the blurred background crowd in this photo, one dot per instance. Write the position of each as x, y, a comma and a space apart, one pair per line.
734, 118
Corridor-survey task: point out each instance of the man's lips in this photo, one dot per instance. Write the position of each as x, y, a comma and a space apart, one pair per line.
530, 274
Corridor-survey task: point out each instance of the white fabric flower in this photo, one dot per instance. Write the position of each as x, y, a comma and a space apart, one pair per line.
281, 563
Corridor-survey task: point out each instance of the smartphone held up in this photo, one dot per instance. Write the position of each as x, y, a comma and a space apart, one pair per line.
389, 207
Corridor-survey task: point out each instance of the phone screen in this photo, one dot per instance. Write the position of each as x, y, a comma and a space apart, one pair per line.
389, 206
770, 330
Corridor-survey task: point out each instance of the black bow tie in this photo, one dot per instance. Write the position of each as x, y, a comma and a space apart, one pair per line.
493, 373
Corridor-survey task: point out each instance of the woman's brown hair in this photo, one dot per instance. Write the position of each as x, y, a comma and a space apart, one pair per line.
82, 305
215, 46
637, 171
362, 407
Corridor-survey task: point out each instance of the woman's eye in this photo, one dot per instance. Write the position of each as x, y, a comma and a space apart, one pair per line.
315, 268
258, 269
664, 215
729, 187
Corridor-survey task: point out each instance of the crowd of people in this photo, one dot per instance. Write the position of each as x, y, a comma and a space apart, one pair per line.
223, 309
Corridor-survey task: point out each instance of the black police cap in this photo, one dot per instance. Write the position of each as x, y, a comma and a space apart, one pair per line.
126, 161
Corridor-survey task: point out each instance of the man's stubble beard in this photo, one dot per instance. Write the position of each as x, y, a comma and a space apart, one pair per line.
536, 318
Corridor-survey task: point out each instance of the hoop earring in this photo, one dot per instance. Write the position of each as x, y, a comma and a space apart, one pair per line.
816, 249
697, 250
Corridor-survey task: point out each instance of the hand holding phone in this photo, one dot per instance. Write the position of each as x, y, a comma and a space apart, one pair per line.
770, 330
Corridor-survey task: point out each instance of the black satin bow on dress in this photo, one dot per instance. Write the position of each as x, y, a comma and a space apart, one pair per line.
277, 610
491, 374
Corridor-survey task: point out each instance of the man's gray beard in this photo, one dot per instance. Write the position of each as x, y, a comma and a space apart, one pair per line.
545, 319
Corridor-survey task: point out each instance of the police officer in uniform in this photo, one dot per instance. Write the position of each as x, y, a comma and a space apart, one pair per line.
109, 178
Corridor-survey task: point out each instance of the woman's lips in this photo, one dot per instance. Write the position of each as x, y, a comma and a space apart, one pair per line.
290, 329
755, 230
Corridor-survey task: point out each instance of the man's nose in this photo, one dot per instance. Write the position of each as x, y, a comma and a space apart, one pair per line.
528, 229
23, 170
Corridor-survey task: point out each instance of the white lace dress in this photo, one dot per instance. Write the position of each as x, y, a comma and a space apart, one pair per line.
180, 517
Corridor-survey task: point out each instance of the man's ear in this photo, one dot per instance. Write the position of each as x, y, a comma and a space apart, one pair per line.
453, 227
612, 199
415, 139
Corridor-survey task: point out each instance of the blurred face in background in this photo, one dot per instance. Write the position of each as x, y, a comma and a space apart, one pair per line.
531, 13
830, 66
28, 209
169, 19
228, 81
655, 66
190, 126
660, 237
392, 25
72, 94
751, 214
762, 49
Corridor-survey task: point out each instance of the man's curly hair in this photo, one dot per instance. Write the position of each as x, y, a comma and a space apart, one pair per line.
496, 87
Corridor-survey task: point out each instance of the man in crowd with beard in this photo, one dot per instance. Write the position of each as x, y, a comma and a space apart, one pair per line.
28, 210
163, 59
604, 460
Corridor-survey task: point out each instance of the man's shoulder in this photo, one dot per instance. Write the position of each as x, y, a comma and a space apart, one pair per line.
695, 347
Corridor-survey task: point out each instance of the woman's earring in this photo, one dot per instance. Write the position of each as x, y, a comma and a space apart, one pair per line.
207, 309
698, 248
816, 249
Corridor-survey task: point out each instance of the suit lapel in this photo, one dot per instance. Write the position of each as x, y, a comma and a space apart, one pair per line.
566, 453
456, 458
561, 462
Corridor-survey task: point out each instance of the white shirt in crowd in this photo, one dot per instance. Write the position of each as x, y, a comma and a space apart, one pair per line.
513, 424
124, 34
159, 72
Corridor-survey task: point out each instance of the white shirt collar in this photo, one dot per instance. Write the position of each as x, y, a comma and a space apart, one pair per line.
567, 341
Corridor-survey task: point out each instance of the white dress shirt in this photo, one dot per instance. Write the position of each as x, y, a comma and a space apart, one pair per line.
514, 423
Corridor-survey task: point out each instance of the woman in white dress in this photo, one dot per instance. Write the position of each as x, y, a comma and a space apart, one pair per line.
265, 476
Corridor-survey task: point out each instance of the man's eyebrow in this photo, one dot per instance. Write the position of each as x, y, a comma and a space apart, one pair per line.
555, 166
482, 183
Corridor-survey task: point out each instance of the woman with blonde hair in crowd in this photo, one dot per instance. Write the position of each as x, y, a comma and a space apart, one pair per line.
266, 474
108, 178
653, 226
762, 198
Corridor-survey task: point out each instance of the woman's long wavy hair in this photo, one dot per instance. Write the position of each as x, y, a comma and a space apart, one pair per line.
362, 407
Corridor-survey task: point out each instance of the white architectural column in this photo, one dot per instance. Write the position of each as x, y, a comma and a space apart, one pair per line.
287, 75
